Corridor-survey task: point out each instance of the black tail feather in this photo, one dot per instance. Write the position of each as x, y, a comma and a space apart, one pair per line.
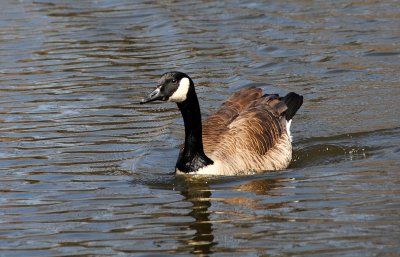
293, 102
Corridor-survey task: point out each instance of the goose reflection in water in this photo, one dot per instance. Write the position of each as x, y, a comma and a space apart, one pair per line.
198, 192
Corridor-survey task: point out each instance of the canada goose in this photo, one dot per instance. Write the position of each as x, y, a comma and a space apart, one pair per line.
249, 133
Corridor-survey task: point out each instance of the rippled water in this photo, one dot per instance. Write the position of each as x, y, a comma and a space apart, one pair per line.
85, 170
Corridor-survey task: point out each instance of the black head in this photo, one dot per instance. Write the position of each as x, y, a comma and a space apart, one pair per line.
173, 86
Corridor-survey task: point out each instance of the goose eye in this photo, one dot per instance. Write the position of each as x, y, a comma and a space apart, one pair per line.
174, 81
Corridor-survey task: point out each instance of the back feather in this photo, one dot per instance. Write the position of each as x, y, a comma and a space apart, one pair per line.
249, 120
217, 124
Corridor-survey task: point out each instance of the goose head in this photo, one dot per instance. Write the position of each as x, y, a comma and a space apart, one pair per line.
173, 86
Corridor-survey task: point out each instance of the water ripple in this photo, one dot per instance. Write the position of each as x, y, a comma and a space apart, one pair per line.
86, 169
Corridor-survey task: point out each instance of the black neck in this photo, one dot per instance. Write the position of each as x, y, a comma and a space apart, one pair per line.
192, 157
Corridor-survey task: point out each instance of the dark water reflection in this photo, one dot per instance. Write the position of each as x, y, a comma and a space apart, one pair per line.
85, 170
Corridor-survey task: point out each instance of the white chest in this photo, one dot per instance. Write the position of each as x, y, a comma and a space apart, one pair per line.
214, 169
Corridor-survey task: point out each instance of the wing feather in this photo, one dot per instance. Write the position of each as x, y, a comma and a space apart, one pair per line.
218, 123
249, 131
249, 122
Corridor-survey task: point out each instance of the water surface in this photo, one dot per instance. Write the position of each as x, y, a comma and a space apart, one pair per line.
85, 170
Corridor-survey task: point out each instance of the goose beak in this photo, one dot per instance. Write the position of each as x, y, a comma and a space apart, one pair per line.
153, 96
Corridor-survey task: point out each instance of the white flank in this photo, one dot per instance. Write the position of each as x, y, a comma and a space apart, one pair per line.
181, 93
288, 123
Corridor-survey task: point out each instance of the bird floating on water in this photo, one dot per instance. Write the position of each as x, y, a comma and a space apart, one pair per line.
250, 132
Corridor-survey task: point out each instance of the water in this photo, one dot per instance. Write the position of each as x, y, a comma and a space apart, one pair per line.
85, 170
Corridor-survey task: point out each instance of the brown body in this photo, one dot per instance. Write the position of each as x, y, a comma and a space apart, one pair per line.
247, 134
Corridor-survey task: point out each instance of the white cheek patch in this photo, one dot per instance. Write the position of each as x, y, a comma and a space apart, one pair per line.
181, 93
